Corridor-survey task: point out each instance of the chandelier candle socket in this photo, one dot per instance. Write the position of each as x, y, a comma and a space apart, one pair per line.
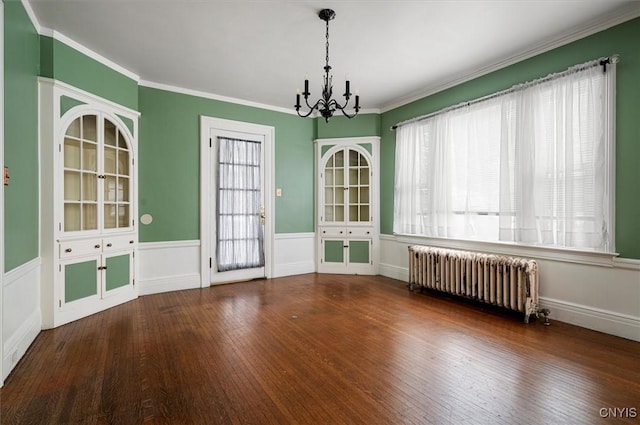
326, 105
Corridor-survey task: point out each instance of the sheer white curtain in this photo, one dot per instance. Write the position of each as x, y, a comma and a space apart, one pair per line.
531, 165
239, 229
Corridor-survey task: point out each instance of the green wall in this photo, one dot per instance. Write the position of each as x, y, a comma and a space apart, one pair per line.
169, 163
622, 39
341, 126
21, 63
66, 64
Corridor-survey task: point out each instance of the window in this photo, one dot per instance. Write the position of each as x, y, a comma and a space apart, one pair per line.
531, 165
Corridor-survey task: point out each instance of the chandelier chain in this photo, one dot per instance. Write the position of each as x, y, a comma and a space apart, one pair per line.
327, 56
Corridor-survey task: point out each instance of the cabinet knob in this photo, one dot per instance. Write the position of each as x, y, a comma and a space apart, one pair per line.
96, 246
368, 232
350, 232
130, 241
109, 245
340, 231
68, 250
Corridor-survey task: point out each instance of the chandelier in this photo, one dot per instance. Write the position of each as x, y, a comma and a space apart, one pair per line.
326, 105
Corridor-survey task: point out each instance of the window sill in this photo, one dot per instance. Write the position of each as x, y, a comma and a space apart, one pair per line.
606, 259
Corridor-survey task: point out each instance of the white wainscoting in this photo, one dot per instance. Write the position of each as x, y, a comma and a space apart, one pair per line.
21, 310
167, 266
294, 253
604, 298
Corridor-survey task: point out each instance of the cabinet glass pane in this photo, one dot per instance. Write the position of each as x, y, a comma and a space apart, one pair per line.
339, 177
74, 128
359, 252
353, 158
328, 213
89, 156
71, 186
339, 213
109, 160
71, 217
333, 251
339, 159
353, 176
109, 133
364, 213
89, 127
80, 280
110, 216
340, 196
328, 178
123, 189
89, 216
364, 176
353, 195
71, 153
330, 162
110, 188
122, 142
117, 271
123, 163
123, 216
353, 213
328, 195
364, 195
89, 187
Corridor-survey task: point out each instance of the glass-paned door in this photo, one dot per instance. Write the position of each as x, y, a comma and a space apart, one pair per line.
239, 209
117, 178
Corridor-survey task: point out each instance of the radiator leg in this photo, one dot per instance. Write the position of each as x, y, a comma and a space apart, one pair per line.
545, 312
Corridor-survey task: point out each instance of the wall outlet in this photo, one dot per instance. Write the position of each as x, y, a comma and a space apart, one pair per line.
278, 192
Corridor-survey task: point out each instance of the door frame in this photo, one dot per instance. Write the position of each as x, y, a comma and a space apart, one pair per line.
207, 124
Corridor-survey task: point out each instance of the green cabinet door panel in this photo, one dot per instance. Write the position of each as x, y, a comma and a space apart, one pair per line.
80, 280
333, 251
359, 252
118, 271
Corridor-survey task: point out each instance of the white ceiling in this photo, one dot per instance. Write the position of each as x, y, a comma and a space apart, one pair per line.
260, 51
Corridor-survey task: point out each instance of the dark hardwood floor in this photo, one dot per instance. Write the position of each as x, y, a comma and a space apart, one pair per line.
320, 349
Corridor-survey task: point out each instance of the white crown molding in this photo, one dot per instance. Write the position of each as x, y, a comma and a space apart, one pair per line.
90, 53
32, 15
624, 14
213, 96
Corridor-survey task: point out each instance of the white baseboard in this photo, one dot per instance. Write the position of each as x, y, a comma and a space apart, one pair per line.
609, 322
168, 284
16, 346
394, 272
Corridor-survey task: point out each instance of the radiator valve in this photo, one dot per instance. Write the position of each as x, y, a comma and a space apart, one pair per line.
544, 312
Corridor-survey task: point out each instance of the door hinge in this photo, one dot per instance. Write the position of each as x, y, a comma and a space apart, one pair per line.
60, 227
59, 267
134, 282
59, 303
210, 142
60, 148
210, 262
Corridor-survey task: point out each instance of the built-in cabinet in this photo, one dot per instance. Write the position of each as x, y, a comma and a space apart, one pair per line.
347, 200
88, 202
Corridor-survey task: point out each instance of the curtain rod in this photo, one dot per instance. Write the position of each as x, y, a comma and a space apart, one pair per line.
577, 68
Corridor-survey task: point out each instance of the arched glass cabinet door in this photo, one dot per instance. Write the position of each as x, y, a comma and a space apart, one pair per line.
346, 180
97, 175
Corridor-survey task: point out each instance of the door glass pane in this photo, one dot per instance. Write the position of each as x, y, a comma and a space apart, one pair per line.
123, 189
123, 216
122, 142
89, 187
110, 191
123, 162
364, 213
71, 153
117, 271
339, 159
328, 195
89, 157
89, 127
364, 176
339, 177
89, 216
333, 251
353, 195
359, 252
340, 196
71, 186
339, 216
109, 133
80, 280
109, 160
328, 213
110, 216
74, 128
328, 178
364, 195
71, 217
353, 158
353, 213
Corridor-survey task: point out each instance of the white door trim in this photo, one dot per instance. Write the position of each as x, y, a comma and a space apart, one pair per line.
2, 189
207, 124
